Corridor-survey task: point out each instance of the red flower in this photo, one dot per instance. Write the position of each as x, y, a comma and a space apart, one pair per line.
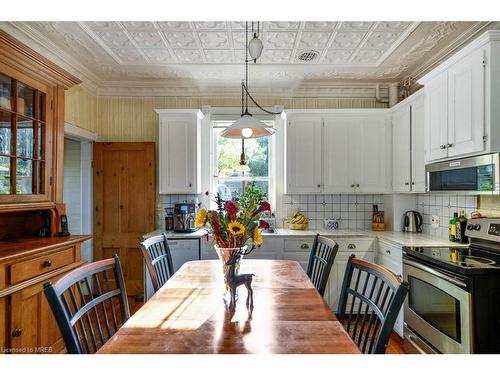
264, 206
231, 209
263, 224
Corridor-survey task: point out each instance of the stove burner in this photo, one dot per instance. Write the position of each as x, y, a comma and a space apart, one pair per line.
472, 261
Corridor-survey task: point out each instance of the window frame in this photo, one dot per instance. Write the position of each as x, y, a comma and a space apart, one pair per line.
214, 178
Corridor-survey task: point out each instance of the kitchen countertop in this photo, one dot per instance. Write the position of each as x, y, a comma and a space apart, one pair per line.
399, 238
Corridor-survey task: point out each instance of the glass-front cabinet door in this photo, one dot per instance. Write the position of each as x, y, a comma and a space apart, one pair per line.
23, 142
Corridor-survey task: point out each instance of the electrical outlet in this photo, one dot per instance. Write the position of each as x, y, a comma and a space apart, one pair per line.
435, 221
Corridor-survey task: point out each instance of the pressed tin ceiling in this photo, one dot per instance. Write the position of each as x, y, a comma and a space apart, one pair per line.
128, 58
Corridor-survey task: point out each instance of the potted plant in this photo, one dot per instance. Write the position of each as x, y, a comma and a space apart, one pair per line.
235, 227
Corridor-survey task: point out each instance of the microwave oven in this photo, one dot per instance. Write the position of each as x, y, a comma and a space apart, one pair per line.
474, 175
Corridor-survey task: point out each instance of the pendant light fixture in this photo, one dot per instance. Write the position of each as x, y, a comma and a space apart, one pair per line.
247, 126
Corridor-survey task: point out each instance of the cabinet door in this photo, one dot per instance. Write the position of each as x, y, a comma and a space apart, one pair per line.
304, 154
32, 322
178, 169
368, 158
417, 146
436, 117
401, 136
336, 164
466, 105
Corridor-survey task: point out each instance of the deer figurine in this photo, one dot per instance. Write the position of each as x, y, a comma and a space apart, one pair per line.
234, 281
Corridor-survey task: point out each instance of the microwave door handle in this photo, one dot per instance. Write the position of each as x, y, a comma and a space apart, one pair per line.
432, 271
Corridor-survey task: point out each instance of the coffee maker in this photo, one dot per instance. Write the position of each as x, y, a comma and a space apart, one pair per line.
184, 217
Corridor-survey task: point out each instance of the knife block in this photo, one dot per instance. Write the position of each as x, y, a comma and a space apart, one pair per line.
378, 221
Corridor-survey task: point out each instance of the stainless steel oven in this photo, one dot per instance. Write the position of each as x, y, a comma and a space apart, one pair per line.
474, 175
437, 311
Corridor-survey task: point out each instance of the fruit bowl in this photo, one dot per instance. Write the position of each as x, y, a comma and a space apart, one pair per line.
297, 226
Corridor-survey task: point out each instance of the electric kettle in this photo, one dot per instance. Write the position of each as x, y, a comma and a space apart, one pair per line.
412, 221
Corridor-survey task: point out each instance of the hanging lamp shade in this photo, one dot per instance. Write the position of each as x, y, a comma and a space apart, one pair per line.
255, 47
248, 127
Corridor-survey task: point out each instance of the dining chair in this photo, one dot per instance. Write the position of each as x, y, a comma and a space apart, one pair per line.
158, 259
323, 253
369, 305
89, 304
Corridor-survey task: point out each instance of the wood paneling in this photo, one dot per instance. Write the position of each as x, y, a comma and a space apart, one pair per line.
124, 204
81, 108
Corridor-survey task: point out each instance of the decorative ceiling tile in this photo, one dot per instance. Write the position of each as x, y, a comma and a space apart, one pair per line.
174, 26
355, 26
219, 56
347, 40
278, 26
279, 39
139, 26
314, 40
320, 26
214, 39
340, 56
240, 56
181, 39
367, 56
129, 56
392, 26
148, 39
381, 40
103, 26
114, 39
159, 56
217, 25
275, 56
238, 25
189, 56
239, 39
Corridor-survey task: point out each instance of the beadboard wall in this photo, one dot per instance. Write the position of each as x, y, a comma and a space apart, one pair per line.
126, 119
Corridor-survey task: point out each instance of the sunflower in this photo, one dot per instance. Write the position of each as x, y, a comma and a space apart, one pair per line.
201, 218
257, 237
236, 228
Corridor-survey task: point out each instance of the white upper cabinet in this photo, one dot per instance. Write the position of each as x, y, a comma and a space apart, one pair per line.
304, 154
466, 105
337, 152
179, 151
461, 102
436, 117
408, 161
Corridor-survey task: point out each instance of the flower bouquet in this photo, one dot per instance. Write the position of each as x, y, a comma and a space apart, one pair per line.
236, 230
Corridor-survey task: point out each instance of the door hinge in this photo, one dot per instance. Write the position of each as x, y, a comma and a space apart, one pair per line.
50, 180
484, 62
485, 137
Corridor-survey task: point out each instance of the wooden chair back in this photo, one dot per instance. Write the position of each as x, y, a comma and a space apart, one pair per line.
369, 305
158, 259
323, 253
89, 304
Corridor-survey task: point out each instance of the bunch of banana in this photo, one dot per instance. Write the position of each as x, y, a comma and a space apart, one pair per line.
299, 218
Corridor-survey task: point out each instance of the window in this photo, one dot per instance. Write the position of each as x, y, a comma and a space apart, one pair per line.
22, 130
229, 180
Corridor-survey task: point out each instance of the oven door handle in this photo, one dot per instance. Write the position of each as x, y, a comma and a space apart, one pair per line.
435, 273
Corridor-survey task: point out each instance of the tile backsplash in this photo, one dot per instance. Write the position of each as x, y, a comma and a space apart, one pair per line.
352, 211
443, 206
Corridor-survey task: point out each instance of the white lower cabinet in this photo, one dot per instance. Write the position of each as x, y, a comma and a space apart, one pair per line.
390, 256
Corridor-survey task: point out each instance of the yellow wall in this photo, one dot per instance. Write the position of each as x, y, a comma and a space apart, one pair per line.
122, 119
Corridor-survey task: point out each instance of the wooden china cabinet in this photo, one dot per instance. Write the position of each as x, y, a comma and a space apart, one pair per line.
31, 197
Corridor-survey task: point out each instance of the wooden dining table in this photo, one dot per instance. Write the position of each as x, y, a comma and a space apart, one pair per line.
188, 315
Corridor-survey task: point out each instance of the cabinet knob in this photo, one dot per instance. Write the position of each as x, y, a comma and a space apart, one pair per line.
388, 251
357, 185
304, 246
449, 145
318, 185
407, 183
351, 246
47, 264
413, 183
442, 147
352, 185
190, 185
17, 332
